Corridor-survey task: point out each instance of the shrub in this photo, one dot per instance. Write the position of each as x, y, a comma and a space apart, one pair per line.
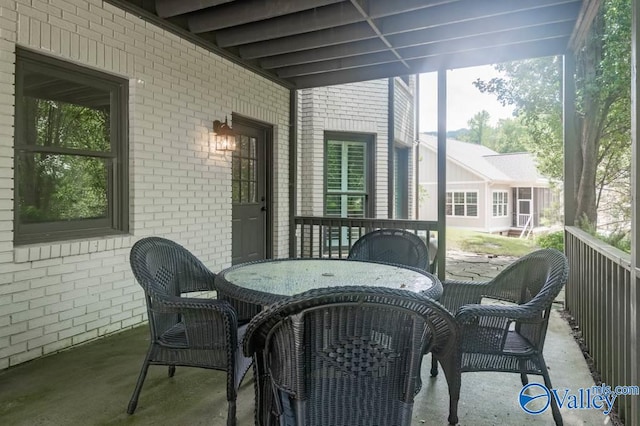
552, 240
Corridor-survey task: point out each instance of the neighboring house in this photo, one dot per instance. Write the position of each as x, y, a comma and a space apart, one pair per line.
486, 191
343, 151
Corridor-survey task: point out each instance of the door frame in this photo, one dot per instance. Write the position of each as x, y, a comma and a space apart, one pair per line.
267, 129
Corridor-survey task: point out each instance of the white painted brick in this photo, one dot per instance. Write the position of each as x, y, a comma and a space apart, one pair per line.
71, 332
183, 89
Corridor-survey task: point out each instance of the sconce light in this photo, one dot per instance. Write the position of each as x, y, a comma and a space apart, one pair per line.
223, 138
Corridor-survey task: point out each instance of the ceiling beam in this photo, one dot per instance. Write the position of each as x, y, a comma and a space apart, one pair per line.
517, 20
302, 22
244, 12
465, 10
477, 57
326, 53
361, 31
502, 38
360, 7
169, 8
493, 55
337, 64
331, 36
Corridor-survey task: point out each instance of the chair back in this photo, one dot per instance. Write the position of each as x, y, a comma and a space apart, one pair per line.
349, 355
533, 281
165, 269
392, 246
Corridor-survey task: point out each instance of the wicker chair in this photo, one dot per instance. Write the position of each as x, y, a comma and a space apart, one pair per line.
192, 332
392, 246
345, 356
506, 337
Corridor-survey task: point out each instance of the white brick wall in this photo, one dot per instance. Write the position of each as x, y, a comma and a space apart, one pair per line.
64, 293
360, 108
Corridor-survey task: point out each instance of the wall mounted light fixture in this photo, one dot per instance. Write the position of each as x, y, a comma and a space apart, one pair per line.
223, 138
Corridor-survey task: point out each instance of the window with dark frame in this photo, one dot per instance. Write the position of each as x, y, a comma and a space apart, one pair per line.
71, 162
349, 181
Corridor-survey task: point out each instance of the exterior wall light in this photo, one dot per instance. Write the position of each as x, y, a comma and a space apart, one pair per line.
223, 138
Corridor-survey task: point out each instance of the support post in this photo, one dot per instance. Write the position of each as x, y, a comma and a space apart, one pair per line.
633, 419
391, 134
416, 149
442, 171
570, 137
293, 169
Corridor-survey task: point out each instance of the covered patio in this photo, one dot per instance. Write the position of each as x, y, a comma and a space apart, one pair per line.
91, 384
184, 64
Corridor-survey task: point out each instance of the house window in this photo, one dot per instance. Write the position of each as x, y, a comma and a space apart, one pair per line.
500, 202
71, 160
462, 204
347, 179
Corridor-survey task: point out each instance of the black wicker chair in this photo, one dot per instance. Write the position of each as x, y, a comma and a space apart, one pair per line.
392, 246
192, 332
506, 337
345, 356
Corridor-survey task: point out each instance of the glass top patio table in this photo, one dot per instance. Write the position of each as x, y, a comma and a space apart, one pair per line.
264, 282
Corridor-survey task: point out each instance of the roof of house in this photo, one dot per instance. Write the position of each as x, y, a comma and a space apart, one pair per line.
513, 168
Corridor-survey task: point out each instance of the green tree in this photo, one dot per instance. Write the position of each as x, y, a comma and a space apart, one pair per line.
603, 106
479, 128
509, 135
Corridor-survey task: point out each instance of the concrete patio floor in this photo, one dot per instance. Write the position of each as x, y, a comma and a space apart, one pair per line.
91, 385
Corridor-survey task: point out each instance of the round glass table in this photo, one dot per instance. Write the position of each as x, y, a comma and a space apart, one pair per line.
251, 286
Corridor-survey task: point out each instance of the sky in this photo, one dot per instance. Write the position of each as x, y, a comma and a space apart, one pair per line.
463, 99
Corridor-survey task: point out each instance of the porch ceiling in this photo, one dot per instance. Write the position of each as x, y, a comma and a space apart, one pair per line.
309, 43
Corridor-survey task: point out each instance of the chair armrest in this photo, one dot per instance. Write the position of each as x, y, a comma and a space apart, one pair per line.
458, 293
208, 323
472, 312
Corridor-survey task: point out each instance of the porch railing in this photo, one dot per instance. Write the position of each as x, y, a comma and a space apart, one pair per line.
598, 297
332, 237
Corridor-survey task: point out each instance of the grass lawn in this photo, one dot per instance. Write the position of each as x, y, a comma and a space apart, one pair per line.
478, 242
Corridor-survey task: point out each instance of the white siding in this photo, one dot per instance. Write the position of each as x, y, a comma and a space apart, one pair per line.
56, 295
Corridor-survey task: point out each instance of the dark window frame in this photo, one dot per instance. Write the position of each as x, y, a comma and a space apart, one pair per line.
370, 184
117, 220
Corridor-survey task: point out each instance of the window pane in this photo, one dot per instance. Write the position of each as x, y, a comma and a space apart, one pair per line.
355, 167
334, 205
472, 197
449, 197
459, 210
56, 187
447, 210
472, 210
355, 206
235, 191
458, 197
61, 113
334, 166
